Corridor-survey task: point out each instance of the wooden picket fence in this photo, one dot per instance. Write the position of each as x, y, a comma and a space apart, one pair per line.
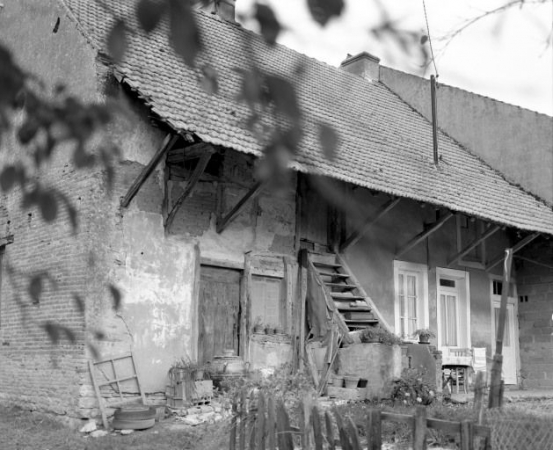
260, 423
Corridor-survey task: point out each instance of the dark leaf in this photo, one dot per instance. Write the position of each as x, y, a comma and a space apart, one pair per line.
209, 80
79, 303
73, 217
35, 288
8, 177
117, 41
424, 39
93, 351
53, 331
48, 205
149, 14
270, 27
100, 335
116, 295
329, 140
184, 33
283, 95
250, 90
27, 131
323, 10
69, 334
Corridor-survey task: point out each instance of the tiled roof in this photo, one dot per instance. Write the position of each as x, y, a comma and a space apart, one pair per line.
384, 144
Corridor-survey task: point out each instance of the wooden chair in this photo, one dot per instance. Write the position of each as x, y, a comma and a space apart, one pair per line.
458, 362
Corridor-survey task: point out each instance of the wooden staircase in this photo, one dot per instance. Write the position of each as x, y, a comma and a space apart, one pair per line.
352, 308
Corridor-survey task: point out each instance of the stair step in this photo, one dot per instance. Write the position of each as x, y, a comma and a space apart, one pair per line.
326, 264
334, 275
358, 315
345, 296
341, 287
345, 308
363, 322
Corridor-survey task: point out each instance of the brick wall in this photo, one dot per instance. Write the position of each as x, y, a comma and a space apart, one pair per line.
535, 309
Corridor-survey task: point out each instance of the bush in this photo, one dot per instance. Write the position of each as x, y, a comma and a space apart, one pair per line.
411, 389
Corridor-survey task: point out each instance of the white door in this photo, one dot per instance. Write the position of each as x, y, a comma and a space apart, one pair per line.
509, 371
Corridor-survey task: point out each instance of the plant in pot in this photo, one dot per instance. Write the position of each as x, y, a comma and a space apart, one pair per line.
258, 326
269, 329
279, 329
424, 335
379, 335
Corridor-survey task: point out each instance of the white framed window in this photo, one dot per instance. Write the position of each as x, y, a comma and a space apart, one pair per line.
453, 308
411, 298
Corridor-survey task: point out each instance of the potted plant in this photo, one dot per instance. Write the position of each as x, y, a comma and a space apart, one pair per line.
269, 329
258, 326
279, 329
379, 335
424, 335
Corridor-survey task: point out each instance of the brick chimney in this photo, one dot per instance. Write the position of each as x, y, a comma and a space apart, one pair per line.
363, 65
223, 8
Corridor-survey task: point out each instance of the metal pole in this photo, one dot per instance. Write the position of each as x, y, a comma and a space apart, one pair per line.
434, 117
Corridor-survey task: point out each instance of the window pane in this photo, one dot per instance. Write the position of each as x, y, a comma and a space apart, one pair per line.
412, 304
411, 285
451, 320
447, 283
401, 291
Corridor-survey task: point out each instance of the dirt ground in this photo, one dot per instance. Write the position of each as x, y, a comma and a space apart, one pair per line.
23, 430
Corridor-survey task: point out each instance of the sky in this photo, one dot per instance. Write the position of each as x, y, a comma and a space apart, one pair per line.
505, 56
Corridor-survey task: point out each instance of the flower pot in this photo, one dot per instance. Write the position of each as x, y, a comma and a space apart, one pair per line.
279, 330
424, 339
338, 381
258, 329
351, 382
269, 330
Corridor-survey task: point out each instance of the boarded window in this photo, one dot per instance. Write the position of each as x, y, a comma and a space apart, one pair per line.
268, 301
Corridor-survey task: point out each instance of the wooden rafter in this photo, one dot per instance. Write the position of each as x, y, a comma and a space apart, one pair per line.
419, 237
168, 142
358, 234
194, 151
200, 167
474, 243
520, 244
533, 261
223, 222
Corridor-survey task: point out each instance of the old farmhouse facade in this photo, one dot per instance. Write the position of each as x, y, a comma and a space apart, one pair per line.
201, 249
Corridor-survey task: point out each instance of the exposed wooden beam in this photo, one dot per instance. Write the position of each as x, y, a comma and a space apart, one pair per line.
419, 237
474, 243
224, 221
6, 240
515, 248
533, 261
195, 151
358, 234
168, 142
200, 167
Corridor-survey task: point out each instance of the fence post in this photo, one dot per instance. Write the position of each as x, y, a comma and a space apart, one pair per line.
271, 420
352, 428
344, 441
419, 433
243, 415
329, 431
305, 423
317, 428
285, 440
466, 435
260, 423
232, 444
374, 430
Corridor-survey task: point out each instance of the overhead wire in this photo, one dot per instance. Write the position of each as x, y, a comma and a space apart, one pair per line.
429, 39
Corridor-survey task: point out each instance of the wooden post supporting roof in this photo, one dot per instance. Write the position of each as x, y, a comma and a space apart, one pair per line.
224, 221
515, 248
168, 142
473, 244
358, 234
200, 167
419, 237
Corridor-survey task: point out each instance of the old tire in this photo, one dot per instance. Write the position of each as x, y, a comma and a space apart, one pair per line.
138, 424
135, 413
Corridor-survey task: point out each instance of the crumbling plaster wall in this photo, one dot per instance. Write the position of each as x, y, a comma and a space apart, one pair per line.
513, 140
372, 260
